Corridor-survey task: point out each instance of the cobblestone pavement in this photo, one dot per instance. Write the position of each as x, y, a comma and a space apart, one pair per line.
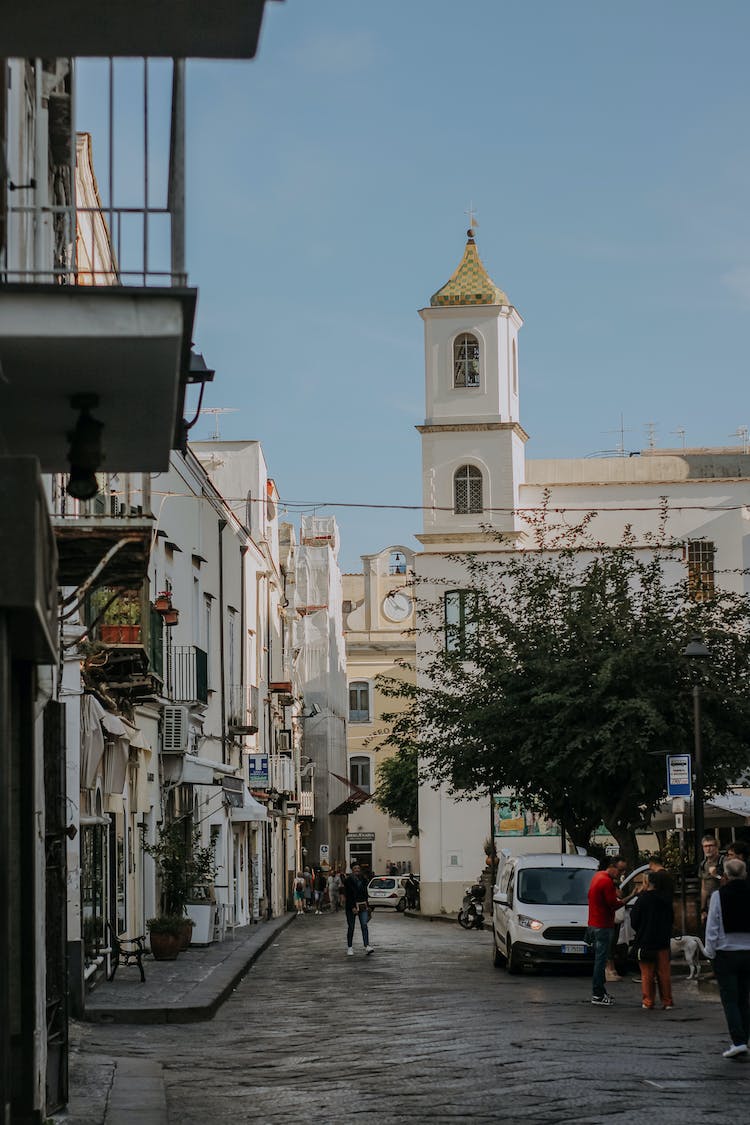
425, 1029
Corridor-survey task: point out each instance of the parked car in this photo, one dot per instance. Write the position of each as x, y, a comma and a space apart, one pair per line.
387, 890
540, 911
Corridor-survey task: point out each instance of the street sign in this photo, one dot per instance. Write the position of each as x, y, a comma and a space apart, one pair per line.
679, 775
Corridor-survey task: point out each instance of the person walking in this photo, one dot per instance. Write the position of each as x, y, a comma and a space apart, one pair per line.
299, 894
334, 890
652, 918
728, 946
355, 898
320, 886
603, 902
308, 892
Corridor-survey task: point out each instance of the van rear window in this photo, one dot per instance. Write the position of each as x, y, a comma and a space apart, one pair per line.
555, 886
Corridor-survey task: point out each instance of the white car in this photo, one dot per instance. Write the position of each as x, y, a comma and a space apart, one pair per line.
540, 911
387, 890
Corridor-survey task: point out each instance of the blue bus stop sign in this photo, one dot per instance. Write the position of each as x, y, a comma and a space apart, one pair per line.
679, 774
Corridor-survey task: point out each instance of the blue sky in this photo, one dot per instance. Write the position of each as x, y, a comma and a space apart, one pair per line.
604, 148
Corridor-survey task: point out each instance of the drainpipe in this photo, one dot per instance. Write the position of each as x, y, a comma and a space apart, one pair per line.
223, 692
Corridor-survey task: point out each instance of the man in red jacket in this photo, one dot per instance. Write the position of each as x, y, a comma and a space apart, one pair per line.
603, 902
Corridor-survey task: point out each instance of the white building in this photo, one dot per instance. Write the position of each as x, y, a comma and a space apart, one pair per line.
475, 476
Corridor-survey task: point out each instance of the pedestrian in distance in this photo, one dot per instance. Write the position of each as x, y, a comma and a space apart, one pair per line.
334, 890
355, 900
710, 870
299, 893
728, 946
664, 881
652, 918
319, 887
308, 892
604, 901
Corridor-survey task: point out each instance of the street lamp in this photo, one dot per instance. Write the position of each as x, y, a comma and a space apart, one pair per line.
696, 650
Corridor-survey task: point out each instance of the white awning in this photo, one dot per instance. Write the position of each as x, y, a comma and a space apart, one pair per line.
250, 810
726, 810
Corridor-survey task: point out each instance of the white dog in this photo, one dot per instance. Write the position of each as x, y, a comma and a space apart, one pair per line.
693, 948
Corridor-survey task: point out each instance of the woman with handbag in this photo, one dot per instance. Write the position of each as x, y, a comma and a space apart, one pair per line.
652, 918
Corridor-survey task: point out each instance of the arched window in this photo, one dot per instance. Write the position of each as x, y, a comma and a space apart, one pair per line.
359, 772
359, 701
466, 361
467, 491
397, 562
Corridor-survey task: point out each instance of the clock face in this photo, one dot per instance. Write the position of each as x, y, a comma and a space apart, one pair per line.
397, 606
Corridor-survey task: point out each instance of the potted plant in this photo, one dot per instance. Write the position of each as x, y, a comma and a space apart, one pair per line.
120, 621
164, 936
163, 601
186, 872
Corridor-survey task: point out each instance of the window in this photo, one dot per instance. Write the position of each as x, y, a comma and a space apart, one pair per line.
359, 772
700, 562
465, 361
359, 702
467, 491
460, 619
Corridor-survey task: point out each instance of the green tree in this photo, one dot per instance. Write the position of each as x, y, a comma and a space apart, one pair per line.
564, 683
397, 789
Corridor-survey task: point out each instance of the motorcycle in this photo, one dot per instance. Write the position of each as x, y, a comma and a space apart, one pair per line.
471, 914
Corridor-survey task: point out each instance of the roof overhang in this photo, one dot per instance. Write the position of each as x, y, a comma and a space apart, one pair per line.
223, 29
128, 346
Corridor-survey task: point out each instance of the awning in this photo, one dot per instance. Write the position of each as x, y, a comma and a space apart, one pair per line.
249, 810
724, 811
190, 769
356, 797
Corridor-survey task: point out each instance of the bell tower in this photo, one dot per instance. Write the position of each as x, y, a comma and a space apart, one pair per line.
472, 440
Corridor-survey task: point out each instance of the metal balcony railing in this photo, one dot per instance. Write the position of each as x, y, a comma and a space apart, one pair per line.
125, 226
307, 803
187, 674
242, 704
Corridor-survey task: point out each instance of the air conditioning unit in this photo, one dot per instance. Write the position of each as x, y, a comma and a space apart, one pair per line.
175, 730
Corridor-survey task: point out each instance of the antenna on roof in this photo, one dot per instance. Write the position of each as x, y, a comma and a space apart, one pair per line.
620, 448
216, 410
651, 434
680, 432
742, 433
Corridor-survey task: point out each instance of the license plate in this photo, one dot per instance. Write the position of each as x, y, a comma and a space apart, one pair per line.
575, 947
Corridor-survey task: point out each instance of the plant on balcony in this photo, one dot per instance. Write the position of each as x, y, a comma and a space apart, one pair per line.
124, 610
163, 601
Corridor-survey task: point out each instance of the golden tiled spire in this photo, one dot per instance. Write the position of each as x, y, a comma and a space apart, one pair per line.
470, 284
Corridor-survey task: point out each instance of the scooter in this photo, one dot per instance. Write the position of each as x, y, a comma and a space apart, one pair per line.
471, 914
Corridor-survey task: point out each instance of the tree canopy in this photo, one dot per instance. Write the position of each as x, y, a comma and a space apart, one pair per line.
562, 680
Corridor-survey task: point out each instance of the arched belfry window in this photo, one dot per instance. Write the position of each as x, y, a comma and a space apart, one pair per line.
467, 490
466, 361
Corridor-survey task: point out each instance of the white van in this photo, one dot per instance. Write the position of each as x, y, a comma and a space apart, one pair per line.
540, 910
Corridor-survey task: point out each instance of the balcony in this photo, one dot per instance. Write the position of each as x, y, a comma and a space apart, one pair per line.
243, 718
130, 634
223, 29
113, 531
307, 803
187, 674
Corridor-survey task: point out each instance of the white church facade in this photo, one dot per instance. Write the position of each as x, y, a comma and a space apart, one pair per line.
479, 491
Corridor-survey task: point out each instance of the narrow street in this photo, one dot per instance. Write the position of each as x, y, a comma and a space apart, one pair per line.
425, 1029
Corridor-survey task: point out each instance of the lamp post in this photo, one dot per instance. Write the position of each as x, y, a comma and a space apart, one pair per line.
696, 650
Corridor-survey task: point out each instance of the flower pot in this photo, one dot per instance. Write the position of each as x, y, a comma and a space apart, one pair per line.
164, 946
171, 617
120, 634
163, 602
186, 933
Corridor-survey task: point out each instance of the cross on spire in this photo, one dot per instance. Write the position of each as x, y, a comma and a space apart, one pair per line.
472, 216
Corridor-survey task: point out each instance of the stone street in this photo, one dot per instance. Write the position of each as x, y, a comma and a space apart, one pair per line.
424, 1029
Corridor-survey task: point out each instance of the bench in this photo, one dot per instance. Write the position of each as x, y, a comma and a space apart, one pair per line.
125, 951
